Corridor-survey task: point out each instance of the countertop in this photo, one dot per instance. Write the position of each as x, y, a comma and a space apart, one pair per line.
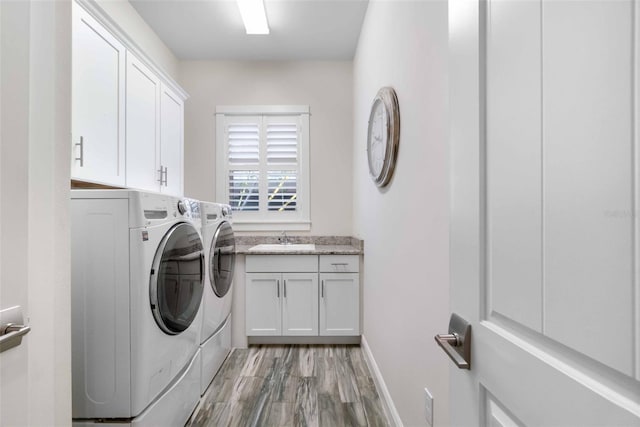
320, 250
325, 245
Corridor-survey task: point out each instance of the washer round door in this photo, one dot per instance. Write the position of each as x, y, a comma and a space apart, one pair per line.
177, 280
222, 259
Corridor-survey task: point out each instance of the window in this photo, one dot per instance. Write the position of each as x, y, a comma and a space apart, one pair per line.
262, 166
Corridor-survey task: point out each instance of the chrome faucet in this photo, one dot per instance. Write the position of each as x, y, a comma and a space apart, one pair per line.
284, 240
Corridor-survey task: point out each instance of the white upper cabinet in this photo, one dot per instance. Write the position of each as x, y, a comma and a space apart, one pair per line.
171, 141
111, 79
154, 131
98, 102
143, 126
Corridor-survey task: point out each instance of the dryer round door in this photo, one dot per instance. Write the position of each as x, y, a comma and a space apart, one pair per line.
222, 259
177, 280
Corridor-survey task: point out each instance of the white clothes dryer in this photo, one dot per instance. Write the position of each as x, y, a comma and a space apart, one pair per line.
220, 255
137, 283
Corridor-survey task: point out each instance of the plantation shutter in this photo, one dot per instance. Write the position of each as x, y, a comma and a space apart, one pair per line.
282, 151
262, 165
243, 135
244, 143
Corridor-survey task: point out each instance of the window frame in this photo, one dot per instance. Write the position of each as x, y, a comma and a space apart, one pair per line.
264, 220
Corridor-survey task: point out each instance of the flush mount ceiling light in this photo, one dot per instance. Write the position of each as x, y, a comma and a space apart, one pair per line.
253, 16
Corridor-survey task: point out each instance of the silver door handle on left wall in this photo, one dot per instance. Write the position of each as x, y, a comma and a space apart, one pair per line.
12, 328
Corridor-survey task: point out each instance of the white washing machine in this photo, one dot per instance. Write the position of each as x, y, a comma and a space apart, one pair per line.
137, 283
220, 255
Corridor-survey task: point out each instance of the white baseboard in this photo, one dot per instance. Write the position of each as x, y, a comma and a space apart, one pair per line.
389, 408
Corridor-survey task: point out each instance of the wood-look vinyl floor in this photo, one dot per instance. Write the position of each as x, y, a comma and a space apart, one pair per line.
317, 385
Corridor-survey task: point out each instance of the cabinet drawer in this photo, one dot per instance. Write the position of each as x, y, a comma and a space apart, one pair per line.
339, 263
281, 264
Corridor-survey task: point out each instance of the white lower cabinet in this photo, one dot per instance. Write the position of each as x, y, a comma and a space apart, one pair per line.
263, 304
339, 304
282, 304
300, 304
283, 296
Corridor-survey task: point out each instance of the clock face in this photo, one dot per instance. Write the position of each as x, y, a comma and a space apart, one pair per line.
383, 137
377, 138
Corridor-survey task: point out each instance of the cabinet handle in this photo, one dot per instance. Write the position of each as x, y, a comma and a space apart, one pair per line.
322, 290
163, 173
81, 158
278, 288
166, 174
285, 288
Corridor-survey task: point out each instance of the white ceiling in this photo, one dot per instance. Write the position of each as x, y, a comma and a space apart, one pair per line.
213, 29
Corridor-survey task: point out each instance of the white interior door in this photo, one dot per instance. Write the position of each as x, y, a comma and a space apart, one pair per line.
13, 225
545, 204
35, 125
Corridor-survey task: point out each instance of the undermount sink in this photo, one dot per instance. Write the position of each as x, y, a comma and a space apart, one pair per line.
289, 247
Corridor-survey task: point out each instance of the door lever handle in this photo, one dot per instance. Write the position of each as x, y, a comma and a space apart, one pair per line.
448, 342
457, 343
11, 331
12, 328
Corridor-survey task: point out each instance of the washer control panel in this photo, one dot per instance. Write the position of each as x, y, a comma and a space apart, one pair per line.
182, 207
189, 208
226, 211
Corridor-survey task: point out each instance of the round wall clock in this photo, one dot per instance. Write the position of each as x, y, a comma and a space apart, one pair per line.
384, 136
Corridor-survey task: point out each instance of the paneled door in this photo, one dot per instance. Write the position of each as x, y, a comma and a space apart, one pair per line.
35, 125
545, 201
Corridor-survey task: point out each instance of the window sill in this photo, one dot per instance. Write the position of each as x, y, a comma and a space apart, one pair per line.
240, 225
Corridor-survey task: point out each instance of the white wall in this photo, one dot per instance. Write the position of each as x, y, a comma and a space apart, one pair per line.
326, 86
403, 44
132, 23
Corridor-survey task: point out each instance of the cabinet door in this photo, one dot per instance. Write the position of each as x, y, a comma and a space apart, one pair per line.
171, 145
143, 120
263, 306
300, 304
97, 102
339, 304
